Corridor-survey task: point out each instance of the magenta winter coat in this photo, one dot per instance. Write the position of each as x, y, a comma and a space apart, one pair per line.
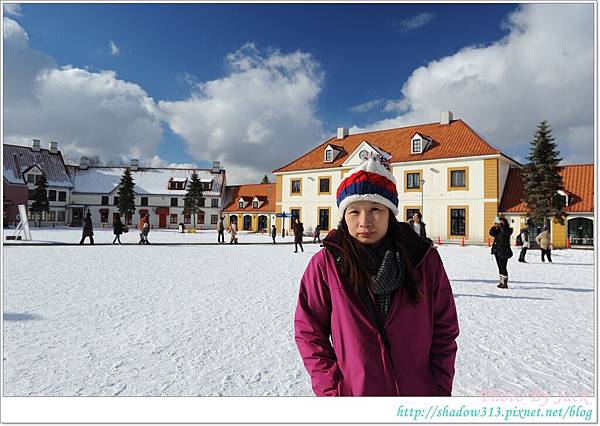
422, 347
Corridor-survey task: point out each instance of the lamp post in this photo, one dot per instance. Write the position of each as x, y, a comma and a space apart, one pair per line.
422, 188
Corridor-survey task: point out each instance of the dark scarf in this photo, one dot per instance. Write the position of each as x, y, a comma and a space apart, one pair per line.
386, 268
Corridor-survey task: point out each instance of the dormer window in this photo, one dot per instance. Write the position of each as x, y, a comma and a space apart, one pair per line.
254, 204
328, 155
241, 205
416, 146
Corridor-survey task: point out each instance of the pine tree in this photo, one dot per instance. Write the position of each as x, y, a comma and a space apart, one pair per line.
194, 198
126, 195
265, 179
40, 199
542, 179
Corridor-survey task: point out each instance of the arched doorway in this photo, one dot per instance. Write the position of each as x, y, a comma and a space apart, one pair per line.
233, 219
581, 231
247, 222
262, 222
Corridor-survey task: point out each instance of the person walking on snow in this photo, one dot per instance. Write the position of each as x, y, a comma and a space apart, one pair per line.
117, 229
317, 234
233, 232
221, 230
501, 231
543, 240
88, 229
273, 233
298, 228
524, 236
417, 225
375, 314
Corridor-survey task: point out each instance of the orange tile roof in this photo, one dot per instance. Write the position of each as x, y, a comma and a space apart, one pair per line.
578, 181
452, 140
263, 191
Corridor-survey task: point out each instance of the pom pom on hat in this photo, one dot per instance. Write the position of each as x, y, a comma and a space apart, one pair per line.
370, 181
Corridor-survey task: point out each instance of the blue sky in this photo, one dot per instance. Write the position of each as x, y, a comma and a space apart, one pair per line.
354, 55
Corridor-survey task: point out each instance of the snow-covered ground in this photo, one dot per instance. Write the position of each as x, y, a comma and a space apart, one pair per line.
217, 319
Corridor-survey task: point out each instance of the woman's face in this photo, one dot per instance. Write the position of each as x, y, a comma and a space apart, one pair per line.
416, 218
367, 221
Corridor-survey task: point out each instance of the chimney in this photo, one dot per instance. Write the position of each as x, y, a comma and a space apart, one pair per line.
216, 168
446, 117
53, 147
36, 145
84, 162
342, 132
134, 164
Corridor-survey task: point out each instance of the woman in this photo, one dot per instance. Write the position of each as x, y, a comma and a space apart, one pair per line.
418, 225
543, 240
117, 229
375, 312
233, 232
88, 229
298, 228
501, 231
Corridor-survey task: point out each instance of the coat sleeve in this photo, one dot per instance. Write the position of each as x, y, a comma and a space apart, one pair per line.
312, 328
445, 331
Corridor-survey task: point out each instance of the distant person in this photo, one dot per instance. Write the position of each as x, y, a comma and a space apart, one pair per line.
418, 225
543, 240
88, 229
233, 232
501, 231
317, 234
298, 228
221, 231
524, 243
273, 233
117, 229
144, 229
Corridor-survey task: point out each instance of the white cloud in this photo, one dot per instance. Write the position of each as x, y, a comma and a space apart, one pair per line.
543, 69
12, 9
256, 118
156, 161
114, 49
414, 22
88, 113
366, 106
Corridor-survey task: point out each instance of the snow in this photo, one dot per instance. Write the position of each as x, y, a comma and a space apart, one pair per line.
183, 320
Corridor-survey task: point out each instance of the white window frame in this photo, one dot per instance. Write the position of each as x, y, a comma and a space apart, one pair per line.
412, 146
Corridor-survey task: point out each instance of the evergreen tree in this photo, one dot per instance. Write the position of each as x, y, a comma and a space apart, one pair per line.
40, 199
265, 179
542, 179
194, 198
126, 195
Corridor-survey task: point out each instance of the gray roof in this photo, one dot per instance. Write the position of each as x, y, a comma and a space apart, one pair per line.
103, 180
18, 159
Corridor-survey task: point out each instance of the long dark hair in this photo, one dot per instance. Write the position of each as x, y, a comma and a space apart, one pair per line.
352, 266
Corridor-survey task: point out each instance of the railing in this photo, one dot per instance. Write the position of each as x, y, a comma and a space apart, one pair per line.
581, 241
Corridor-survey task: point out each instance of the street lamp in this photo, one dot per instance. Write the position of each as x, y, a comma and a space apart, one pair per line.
422, 187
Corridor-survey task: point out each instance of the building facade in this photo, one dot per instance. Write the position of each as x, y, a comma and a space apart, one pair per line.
251, 207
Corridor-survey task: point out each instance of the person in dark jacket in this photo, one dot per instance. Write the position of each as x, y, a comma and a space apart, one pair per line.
375, 314
88, 229
117, 229
273, 233
418, 225
317, 234
221, 231
525, 244
298, 228
501, 231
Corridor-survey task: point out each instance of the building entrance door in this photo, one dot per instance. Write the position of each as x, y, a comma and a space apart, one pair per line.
162, 221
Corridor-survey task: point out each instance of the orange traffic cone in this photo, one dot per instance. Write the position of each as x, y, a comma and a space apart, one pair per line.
439, 241
462, 242
568, 243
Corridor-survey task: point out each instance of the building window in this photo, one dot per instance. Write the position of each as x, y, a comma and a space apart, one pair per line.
254, 204
104, 200
143, 201
52, 195
458, 179
241, 205
187, 219
214, 219
30, 194
60, 217
296, 187
201, 218
295, 214
173, 202
116, 201
324, 218
173, 218
214, 202
328, 155
458, 222
410, 212
413, 181
51, 216
416, 146
324, 185
62, 196
30, 178
202, 202
104, 215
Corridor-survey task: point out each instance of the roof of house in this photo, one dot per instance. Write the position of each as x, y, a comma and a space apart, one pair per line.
578, 181
155, 181
454, 140
19, 159
264, 191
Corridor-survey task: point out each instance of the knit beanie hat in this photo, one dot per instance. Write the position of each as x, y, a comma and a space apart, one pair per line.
370, 181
